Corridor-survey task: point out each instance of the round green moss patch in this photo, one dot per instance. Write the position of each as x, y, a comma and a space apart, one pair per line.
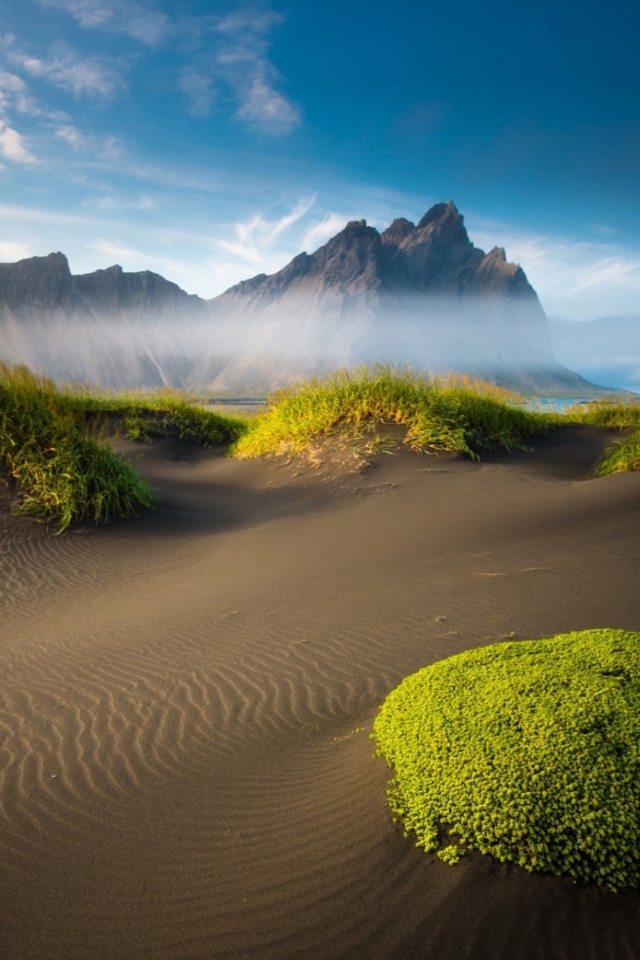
528, 751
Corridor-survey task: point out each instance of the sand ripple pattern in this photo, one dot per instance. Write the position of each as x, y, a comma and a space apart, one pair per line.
185, 769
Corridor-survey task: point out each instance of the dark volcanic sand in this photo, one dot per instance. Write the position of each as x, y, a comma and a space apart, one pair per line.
179, 773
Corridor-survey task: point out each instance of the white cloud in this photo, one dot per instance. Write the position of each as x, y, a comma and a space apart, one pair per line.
9, 251
150, 27
72, 136
576, 279
14, 94
232, 51
79, 75
246, 20
12, 147
112, 203
104, 148
225, 54
320, 232
256, 237
199, 88
264, 108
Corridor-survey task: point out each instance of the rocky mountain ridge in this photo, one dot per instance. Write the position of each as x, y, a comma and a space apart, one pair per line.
46, 284
420, 294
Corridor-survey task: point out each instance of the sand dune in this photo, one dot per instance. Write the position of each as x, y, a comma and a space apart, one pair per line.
186, 698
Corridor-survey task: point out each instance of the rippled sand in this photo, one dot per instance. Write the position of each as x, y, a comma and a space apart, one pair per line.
186, 699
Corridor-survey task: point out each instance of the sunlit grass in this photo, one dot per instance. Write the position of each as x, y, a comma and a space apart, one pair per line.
52, 439
622, 455
52, 445
453, 413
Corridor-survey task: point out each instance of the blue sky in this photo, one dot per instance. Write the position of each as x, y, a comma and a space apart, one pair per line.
213, 141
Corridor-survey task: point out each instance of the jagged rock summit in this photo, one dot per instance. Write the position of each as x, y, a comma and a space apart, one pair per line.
419, 294
434, 257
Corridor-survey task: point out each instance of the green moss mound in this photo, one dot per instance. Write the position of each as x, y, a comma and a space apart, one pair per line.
528, 751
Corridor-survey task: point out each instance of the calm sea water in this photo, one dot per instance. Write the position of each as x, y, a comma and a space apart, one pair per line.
558, 404
252, 406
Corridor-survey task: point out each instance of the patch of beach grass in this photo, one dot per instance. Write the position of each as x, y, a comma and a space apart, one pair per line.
528, 751
63, 472
146, 416
621, 456
623, 414
52, 444
616, 414
445, 414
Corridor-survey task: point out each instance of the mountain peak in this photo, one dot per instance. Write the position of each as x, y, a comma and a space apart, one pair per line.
399, 230
355, 226
444, 212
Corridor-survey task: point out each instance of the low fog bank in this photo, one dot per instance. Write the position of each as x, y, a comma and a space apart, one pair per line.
240, 351
606, 350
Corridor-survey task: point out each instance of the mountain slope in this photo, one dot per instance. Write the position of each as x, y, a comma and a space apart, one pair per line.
419, 294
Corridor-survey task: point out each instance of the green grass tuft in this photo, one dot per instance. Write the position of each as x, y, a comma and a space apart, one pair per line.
64, 473
528, 751
51, 445
622, 455
615, 414
453, 414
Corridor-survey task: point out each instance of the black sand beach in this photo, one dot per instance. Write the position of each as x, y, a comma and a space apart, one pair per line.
185, 764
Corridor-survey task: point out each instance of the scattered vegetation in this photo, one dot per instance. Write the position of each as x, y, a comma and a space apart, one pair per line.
52, 445
615, 414
451, 414
621, 455
144, 417
528, 751
52, 439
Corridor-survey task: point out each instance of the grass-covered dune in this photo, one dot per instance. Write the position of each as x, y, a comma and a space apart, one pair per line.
52, 445
622, 455
528, 751
444, 414
52, 439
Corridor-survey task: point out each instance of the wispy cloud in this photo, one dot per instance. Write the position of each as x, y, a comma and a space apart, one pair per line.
263, 107
198, 85
150, 27
227, 62
68, 70
20, 214
106, 148
255, 238
62, 66
14, 95
574, 278
320, 232
231, 56
133, 258
12, 146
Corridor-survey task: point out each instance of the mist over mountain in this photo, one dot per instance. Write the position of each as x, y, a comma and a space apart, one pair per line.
606, 349
419, 294
109, 327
